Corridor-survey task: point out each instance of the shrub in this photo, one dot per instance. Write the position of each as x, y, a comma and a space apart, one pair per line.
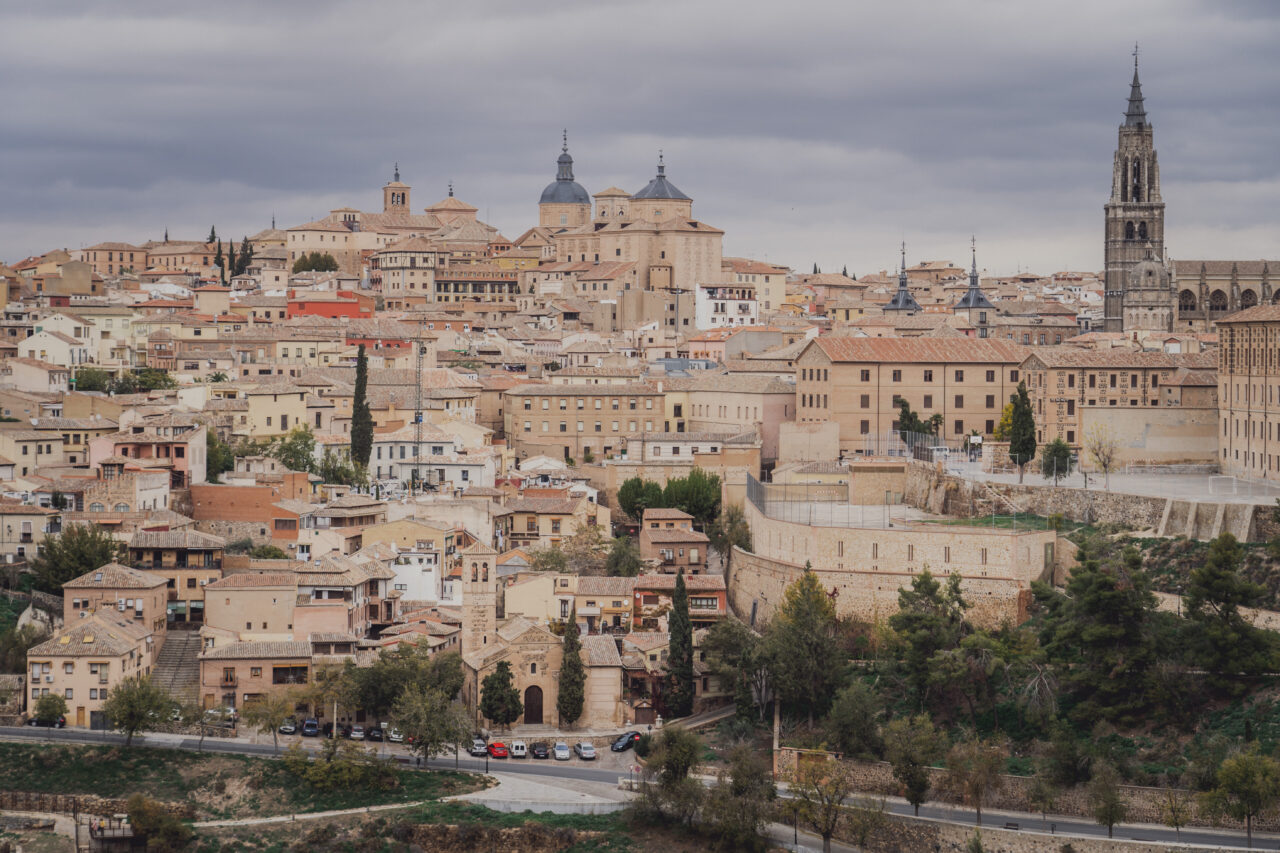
644, 745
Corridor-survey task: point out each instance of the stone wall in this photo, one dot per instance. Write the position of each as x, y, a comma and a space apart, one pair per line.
876, 777
910, 835
28, 801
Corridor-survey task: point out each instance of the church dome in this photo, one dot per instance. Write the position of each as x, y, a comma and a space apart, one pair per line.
564, 189
660, 187
1149, 274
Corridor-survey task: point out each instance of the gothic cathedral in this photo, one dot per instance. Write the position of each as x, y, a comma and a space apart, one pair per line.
1138, 290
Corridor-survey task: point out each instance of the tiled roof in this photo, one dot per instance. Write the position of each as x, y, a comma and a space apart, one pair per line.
606, 586
176, 539
927, 350
1256, 314
691, 582
99, 635
664, 513
601, 650
250, 580
1118, 358
115, 576
673, 534
258, 650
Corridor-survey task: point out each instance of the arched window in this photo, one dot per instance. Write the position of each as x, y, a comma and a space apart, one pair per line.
1142, 230
96, 507
1136, 195
120, 508
484, 568
1218, 301
1186, 301
1128, 230
1248, 299
475, 572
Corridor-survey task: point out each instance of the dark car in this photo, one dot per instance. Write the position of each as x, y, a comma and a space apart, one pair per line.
374, 733
539, 750
310, 728
624, 742
59, 723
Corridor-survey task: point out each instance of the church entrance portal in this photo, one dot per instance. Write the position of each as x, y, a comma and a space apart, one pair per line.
533, 706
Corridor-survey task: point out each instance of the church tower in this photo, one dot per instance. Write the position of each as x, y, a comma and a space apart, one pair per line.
974, 304
902, 300
564, 203
395, 195
479, 597
1135, 213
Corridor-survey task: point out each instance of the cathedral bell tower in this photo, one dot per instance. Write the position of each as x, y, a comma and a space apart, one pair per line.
1135, 213
479, 596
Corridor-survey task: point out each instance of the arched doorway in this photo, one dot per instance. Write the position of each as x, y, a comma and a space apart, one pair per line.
533, 706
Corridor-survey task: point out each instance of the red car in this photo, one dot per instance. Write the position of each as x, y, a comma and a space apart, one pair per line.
497, 750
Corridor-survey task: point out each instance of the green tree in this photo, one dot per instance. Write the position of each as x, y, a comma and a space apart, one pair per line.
296, 450
376, 687
1102, 628
697, 494
548, 560
213, 235
1219, 638
730, 530
315, 262
245, 257
1247, 784
1105, 800
911, 745
1022, 431
624, 558
1175, 810
739, 657
77, 550
335, 467
737, 806
50, 707
1055, 461
267, 712
930, 619
499, 696
14, 643
218, 456
267, 552
573, 675
232, 261
679, 696
909, 421
146, 379
430, 720
584, 551
853, 721
216, 377
974, 770
361, 417
92, 379
671, 791
802, 646
220, 262
1005, 424
156, 825
1042, 796
136, 705
636, 495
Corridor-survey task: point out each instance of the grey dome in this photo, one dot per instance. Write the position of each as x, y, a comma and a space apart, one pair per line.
660, 187
564, 189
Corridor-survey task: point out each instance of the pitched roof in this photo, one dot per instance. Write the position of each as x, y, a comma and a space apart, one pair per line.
665, 513
101, 634
115, 576
250, 580
1256, 314
691, 582
253, 650
601, 650
936, 350
606, 586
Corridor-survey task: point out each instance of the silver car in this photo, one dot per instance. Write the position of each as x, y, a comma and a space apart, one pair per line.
561, 752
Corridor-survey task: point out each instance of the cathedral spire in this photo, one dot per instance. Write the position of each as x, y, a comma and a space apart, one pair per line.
903, 300
1136, 115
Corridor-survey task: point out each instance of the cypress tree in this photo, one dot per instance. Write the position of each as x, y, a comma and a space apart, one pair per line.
1022, 430
679, 701
213, 234
246, 255
361, 418
233, 263
573, 675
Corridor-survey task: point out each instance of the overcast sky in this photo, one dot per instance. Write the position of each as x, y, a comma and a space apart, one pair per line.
810, 132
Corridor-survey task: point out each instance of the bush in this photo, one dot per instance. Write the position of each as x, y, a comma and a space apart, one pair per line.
161, 830
644, 745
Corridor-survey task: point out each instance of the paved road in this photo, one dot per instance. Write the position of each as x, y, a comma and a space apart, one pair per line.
574, 769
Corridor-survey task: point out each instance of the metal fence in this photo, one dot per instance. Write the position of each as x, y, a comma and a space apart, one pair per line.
915, 445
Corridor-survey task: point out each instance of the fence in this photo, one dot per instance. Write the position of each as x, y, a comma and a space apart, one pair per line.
914, 445
1225, 485
819, 504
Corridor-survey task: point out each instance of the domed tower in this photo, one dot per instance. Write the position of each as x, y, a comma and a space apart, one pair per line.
660, 200
564, 203
1148, 297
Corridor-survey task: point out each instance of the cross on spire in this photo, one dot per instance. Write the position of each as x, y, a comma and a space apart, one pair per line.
451, 189
565, 147
1136, 114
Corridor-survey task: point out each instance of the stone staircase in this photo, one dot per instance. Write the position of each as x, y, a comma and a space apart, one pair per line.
177, 669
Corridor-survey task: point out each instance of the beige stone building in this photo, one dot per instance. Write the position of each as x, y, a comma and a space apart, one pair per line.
134, 595
85, 660
568, 420
235, 673
1249, 393
1161, 408
857, 382
250, 607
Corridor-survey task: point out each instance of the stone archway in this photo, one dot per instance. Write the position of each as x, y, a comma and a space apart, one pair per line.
1218, 301
533, 705
1248, 299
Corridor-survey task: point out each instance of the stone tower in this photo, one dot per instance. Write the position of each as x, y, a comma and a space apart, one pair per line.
1135, 213
479, 596
395, 195
564, 203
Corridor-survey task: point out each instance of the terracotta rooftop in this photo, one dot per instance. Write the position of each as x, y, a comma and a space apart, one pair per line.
115, 576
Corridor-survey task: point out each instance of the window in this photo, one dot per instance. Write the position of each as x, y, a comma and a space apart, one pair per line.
865, 376
911, 552
865, 401
864, 427
928, 376
959, 401
255, 672
959, 429
928, 401
959, 375
991, 376
897, 376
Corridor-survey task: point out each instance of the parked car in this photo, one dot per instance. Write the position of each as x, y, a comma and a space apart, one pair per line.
374, 733
478, 748
355, 732
310, 728
218, 717
625, 741
59, 723
498, 749
585, 751
539, 750
289, 727
518, 749
395, 735
561, 751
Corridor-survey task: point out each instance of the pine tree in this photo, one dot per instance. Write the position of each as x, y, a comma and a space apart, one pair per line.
679, 699
361, 418
802, 646
213, 234
220, 262
166, 233
232, 261
845, 271
573, 674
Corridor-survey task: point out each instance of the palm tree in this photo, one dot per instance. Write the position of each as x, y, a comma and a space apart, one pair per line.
217, 376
